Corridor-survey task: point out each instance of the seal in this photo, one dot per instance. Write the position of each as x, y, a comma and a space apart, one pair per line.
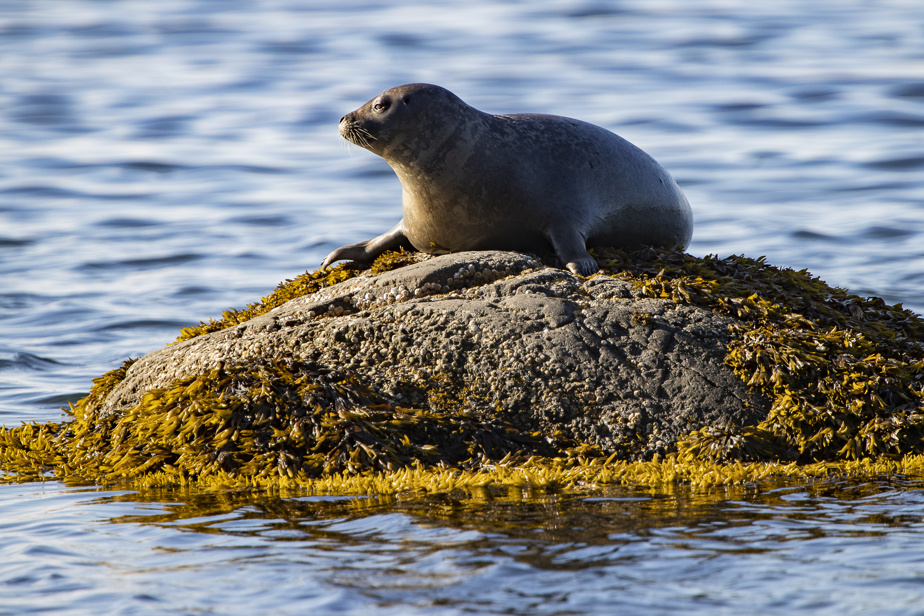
523, 182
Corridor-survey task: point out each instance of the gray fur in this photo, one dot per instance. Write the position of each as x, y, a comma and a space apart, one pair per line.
524, 182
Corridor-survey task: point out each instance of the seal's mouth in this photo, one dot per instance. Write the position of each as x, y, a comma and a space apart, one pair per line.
356, 134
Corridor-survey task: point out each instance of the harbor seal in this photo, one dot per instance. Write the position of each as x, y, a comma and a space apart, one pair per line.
524, 182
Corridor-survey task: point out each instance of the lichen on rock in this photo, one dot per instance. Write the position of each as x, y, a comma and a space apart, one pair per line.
464, 362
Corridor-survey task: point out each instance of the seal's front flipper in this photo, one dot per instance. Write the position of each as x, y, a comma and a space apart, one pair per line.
370, 249
571, 249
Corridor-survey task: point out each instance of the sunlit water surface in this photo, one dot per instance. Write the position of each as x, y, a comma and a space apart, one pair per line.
830, 549
163, 161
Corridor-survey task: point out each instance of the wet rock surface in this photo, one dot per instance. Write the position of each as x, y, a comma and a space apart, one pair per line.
494, 335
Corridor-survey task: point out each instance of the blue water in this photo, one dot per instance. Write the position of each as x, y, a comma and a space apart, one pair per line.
786, 550
163, 161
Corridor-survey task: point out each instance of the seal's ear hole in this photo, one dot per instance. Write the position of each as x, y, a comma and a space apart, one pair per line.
406, 100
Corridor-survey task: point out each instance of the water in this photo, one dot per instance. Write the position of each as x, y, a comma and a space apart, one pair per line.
787, 550
161, 162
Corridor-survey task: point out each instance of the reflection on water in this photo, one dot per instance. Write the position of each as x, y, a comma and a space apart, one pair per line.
829, 548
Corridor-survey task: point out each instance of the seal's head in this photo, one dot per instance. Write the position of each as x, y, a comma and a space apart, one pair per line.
403, 123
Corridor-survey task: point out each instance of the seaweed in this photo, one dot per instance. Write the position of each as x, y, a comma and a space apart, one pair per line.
845, 375
279, 419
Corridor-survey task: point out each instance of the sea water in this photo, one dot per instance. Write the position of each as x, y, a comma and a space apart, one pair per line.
161, 162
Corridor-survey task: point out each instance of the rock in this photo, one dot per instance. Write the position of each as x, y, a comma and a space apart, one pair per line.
456, 372
494, 336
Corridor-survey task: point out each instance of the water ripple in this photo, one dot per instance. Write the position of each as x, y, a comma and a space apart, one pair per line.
141, 264
834, 548
27, 361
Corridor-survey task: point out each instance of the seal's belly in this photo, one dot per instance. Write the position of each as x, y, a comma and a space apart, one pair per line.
443, 239
478, 220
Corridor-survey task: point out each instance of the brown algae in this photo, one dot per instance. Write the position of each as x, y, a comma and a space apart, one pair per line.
845, 376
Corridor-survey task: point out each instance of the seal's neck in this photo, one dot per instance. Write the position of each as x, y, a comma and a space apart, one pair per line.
439, 149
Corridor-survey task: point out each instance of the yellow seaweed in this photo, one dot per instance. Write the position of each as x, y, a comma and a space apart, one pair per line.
844, 375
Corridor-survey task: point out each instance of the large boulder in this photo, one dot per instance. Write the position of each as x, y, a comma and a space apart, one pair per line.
420, 369
493, 336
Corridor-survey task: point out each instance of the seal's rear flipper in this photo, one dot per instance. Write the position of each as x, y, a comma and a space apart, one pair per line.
571, 248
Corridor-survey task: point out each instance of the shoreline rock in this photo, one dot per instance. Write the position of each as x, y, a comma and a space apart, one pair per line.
495, 335
475, 364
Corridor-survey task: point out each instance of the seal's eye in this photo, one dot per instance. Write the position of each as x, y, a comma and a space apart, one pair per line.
380, 105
